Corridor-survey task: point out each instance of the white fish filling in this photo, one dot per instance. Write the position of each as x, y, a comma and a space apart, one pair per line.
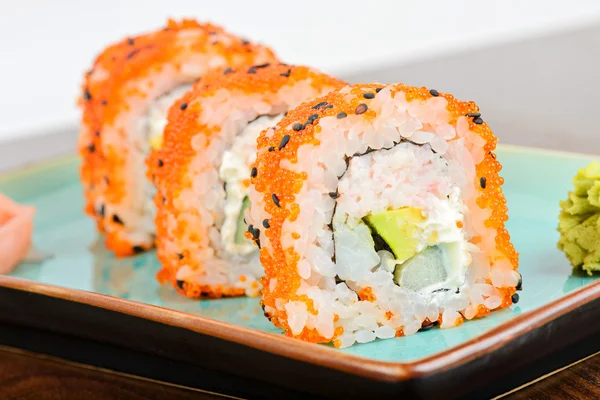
405, 176
235, 173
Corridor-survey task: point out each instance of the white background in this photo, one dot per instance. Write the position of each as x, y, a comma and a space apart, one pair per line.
46, 45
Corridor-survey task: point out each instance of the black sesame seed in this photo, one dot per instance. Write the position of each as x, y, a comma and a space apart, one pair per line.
138, 249
160, 163
255, 233
180, 256
104, 102
252, 70
313, 117
361, 109
369, 95
228, 71
97, 133
132, 53
334, 195
327, 107
87, 95
101, 210
130, 41
275, 200
473, 115
271, 148
482, 182
342, 115
286, 74
245, 42
117, 220
321, 104
298, 127
253, 172
180, 284
378, 89
434, 93
250, 228
520, 283
515, 298
478, 121
91, 148
266, 224
257, 241
265, 65
284, 141
183, 106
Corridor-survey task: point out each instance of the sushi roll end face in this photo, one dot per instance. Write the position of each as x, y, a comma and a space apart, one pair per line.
125, 99
386, 215
203, 172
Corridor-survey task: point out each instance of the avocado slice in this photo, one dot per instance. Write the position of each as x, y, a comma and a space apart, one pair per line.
241, 225
397, 228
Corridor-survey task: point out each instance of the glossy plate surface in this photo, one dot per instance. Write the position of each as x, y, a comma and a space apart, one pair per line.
535, 181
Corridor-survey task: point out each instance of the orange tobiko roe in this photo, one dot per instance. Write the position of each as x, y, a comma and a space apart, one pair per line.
106, 94
272, 179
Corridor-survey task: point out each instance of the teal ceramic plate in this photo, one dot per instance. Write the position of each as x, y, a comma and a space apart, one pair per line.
535, 182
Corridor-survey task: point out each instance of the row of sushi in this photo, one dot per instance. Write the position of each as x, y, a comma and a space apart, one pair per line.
356, 211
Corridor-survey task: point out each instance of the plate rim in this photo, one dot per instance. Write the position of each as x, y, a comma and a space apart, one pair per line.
311, 353
281, 345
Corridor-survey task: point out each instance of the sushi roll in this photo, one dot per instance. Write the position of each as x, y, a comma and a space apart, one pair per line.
384, 215
202, 174
125, 98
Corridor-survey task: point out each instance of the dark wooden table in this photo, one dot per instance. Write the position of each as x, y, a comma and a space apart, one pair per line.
25, 375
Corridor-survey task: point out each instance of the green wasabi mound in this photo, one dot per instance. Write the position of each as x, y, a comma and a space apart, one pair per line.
579, 220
